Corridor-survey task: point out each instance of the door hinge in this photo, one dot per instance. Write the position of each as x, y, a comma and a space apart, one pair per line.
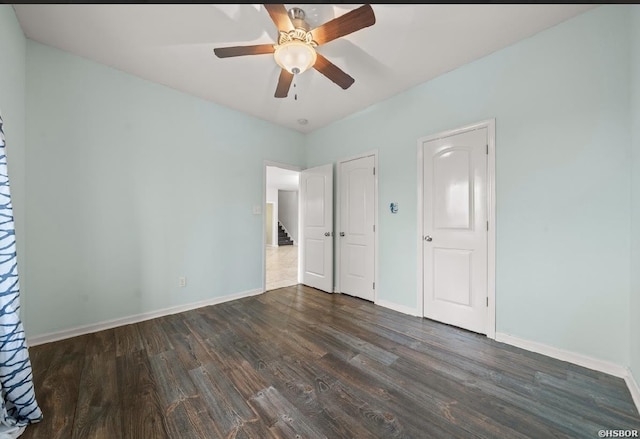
487, 226
487, 301
374, 170
374, 227
374, 285
487, 149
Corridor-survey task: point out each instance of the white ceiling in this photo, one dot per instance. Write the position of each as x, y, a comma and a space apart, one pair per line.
282, 179
173, 45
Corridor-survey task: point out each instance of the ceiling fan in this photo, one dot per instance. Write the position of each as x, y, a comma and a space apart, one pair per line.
295, 51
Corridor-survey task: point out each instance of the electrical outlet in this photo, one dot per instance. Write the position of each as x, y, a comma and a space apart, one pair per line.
182, 281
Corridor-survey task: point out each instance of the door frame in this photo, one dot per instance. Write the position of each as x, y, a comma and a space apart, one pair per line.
490, 124
338, 219
264, 202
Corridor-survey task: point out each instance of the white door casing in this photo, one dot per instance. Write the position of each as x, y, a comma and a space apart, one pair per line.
356, 231
455, 229
316, 227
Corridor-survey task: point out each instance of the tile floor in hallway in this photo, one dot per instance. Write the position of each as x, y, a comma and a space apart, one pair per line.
282, 266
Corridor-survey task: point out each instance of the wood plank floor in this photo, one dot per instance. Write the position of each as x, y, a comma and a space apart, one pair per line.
299, 363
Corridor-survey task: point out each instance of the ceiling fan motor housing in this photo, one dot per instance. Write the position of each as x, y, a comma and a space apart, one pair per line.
297, 17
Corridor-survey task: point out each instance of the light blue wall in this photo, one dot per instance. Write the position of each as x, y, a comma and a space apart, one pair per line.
560, 99
635, 189
12, 106
131, 185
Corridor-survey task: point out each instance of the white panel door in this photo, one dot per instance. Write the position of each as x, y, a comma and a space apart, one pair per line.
316, 241
357, 219
455, 230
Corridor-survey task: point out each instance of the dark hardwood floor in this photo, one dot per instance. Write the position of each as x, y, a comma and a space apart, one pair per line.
299, 363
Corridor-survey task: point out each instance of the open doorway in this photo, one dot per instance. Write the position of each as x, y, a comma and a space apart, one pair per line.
281, 227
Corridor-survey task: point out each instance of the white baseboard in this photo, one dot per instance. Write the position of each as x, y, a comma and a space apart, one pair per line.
108, 324
579, 359
634, 388
564, 355
400, 308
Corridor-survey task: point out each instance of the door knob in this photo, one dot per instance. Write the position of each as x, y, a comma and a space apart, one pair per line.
341, 233
327, 233
428, 238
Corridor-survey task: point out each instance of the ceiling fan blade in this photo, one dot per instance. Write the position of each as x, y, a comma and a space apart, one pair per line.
284, 82
344, 25
280, 17
226, 52
333, 72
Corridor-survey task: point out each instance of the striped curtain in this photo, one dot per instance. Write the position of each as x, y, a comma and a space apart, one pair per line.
18, 406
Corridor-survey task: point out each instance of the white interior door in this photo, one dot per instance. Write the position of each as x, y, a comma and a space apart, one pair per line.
455, 230
357, 220
316, 241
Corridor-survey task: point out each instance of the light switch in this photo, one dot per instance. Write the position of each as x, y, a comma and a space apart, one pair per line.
257, 210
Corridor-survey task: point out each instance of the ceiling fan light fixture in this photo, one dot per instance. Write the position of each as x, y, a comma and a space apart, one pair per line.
295, 56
